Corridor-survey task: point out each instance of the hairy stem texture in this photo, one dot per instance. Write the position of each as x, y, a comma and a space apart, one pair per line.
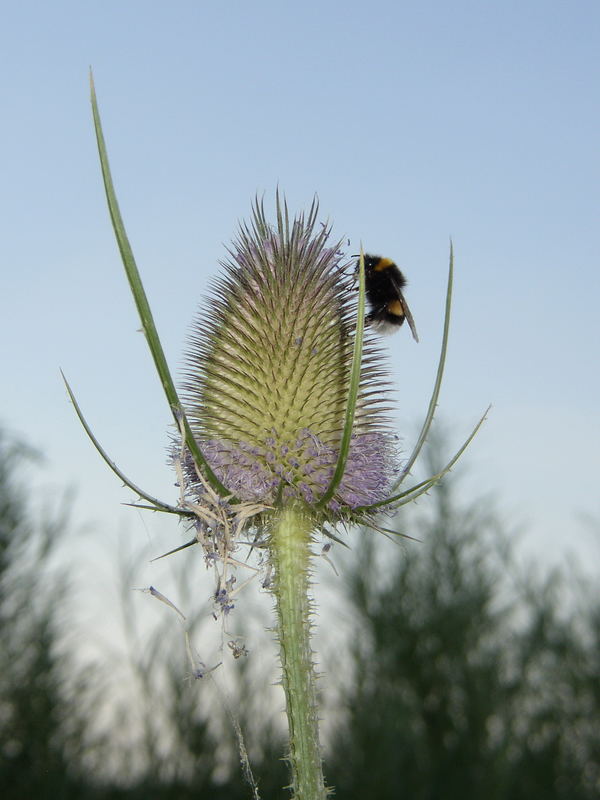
290, 549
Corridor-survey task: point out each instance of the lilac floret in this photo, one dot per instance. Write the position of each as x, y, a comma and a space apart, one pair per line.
255, 474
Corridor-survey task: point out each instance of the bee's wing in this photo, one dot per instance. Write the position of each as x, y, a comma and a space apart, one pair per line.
409, 317
399, 283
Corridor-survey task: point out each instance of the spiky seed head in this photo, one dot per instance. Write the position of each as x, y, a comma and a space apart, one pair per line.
268, 372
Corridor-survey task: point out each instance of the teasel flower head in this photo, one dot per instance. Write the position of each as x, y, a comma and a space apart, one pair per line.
268, 370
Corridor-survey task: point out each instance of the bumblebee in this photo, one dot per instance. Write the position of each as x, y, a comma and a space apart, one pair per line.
384, 283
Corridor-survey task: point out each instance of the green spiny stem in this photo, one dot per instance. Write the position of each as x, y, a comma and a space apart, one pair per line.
290, 551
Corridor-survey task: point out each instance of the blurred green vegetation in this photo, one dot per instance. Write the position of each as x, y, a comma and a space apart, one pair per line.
466, 675
474, 676
36, 737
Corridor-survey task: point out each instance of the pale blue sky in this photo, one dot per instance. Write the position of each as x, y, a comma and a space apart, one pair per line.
413, 122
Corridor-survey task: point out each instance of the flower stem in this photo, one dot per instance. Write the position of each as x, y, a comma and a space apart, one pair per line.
290, 551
